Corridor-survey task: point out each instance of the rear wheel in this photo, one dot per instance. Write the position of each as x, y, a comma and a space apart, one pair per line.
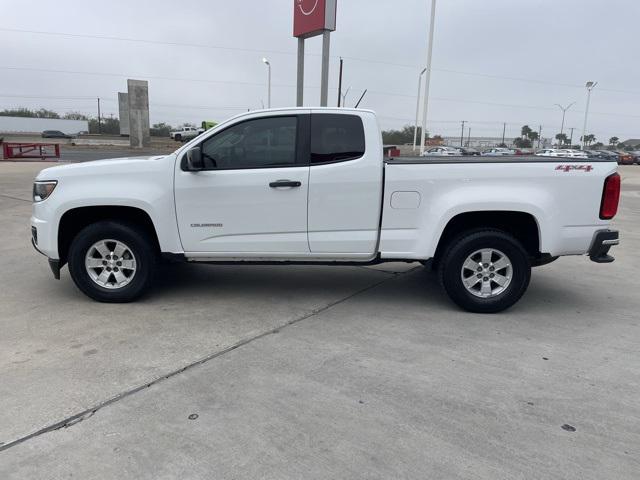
485, 271
111, 262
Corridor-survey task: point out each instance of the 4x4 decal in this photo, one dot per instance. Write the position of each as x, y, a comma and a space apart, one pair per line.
580, 167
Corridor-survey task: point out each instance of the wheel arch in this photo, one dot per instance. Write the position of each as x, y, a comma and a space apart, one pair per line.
522, 225
75, 219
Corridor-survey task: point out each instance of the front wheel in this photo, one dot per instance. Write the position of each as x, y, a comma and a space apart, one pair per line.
111, 261
485, 271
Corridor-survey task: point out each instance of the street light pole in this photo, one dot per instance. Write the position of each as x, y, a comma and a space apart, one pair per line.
427, 77
462, 133
590, 86
415, 128
266, 62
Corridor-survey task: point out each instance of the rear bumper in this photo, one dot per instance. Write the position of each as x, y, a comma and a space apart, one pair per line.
603, 240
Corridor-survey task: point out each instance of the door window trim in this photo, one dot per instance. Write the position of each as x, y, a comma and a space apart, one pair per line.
302, 147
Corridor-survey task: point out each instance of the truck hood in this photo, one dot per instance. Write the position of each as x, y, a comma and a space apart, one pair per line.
111, 166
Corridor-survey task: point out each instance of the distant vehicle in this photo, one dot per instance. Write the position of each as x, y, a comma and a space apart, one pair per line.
187, 133
609, 155
206, 125
441, 152
595, 154
636, 156
562, 152
625, 158
468, 151
498, 152
547, 152
571, 153
55, 134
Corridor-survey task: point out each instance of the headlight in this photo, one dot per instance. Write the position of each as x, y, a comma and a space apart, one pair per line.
42, 190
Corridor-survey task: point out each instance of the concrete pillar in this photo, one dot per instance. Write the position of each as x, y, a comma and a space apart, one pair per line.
123, 113
139, 135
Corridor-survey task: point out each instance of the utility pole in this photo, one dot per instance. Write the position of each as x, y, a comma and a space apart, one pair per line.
504, 129
340, 83
539, 136
99, 121
462, 133
571, 139
427, 77
469, 137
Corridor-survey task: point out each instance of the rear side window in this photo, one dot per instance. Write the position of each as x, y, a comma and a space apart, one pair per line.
336, 138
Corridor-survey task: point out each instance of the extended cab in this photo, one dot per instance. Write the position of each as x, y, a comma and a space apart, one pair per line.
311, 186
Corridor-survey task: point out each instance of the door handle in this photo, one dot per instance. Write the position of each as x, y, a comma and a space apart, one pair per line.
285, 183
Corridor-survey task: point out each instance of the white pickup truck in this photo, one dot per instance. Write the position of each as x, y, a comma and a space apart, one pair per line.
311, 186
186, 133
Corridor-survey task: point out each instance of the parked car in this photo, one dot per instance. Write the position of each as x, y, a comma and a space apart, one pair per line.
636, 156
609, 155
55, 134
562, 153
498, 152
595, 154
467, 151
319, 191
441, 152
625, 158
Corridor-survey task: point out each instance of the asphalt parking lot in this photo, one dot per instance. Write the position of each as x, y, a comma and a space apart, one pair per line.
317, 372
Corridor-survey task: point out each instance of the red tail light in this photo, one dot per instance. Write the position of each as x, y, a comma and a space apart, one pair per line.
610, 197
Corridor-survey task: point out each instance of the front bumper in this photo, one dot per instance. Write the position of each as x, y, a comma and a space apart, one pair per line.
54, 264
603, 240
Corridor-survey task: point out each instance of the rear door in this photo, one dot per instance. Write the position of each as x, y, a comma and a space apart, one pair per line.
345, 184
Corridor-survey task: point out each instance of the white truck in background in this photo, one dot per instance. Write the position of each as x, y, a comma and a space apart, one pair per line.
311, 186
185, 134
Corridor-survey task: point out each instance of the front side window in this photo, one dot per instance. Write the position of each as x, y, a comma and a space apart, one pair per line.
336, 137
259, 143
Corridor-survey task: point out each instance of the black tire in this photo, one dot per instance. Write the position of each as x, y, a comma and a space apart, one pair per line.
457, 252
140, 246
178, 138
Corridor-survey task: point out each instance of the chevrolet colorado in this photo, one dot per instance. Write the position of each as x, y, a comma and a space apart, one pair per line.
307, 185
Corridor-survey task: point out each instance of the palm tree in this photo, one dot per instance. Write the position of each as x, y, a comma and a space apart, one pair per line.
525, 131
533, 136
588, 139
562, 139
614, 141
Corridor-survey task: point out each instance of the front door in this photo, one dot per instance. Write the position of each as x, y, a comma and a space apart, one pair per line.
251, 198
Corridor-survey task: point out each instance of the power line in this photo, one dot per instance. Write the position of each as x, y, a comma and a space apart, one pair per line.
292, 53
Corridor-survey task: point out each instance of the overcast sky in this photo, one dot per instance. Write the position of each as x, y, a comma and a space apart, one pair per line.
546, 49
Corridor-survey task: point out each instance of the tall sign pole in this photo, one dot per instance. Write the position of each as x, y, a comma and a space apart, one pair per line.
300, 84
311, 18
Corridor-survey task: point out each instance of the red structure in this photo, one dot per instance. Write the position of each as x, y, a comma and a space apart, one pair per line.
312, 17
18, 151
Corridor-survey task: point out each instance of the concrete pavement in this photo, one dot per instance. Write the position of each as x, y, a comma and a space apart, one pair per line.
318, 372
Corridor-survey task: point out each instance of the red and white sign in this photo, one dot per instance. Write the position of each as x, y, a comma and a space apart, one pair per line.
312, 17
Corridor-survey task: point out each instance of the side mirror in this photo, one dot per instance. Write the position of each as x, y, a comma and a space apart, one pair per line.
194, 160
